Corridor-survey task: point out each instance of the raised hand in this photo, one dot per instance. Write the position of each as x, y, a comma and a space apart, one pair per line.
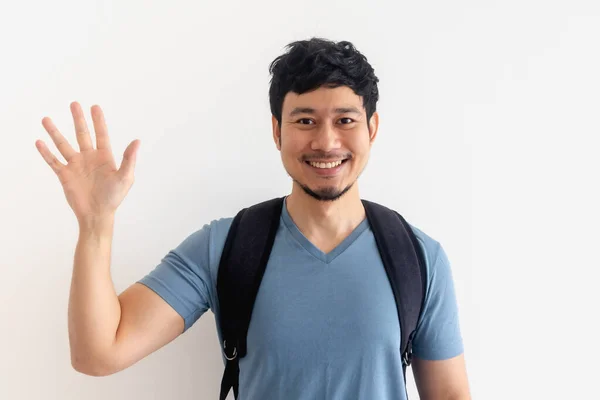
92, 184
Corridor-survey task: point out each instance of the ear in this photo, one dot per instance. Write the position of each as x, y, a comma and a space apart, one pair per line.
276, 132
373, 127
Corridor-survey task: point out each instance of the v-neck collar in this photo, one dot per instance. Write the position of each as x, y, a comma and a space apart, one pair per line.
311, 248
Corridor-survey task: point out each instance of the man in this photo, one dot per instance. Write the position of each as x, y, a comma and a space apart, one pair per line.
324, 324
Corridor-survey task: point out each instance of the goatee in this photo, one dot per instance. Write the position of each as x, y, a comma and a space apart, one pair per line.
325, 194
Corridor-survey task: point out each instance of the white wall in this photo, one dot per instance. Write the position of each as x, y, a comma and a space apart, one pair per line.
488, 142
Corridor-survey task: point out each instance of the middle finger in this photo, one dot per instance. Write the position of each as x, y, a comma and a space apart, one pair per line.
81, 130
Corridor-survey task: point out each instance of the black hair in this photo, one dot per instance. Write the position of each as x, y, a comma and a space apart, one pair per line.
310, 64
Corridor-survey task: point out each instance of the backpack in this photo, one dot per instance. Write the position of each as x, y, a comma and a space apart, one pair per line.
244, 260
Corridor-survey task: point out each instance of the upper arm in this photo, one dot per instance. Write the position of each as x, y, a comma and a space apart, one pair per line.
441, 379
147, 323
439, 366
165, 302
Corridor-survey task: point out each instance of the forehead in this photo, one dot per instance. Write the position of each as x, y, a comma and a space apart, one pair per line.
323, 100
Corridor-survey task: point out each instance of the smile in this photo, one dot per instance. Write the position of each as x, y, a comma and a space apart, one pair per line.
324, 165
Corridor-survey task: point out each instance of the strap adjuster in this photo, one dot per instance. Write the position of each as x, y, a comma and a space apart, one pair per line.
407, 358
408, 354
234, 352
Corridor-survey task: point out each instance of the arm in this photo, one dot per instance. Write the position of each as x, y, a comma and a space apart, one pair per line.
442, 379
108, 333
438, 363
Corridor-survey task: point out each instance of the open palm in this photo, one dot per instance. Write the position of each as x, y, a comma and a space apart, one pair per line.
93, 185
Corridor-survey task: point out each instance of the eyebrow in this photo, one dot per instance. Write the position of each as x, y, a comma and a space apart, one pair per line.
309, 110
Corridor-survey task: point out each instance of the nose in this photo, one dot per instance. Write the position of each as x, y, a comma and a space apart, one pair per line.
325, 138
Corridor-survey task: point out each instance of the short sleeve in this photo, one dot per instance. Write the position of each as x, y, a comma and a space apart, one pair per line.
438, 335
183, 279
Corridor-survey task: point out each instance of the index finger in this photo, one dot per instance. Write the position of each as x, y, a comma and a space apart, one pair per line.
59, 140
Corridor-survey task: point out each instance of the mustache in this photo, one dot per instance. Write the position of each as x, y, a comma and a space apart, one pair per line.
326, 156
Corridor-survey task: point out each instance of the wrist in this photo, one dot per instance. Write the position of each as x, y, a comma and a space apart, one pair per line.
96, 225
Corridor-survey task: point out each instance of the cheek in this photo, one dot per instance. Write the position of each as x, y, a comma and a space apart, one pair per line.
359, 146
291, 146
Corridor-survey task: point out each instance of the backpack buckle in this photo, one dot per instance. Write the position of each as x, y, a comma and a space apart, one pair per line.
234, 352
408, 354
407, 358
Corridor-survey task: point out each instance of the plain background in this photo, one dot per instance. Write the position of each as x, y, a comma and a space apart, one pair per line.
488, 143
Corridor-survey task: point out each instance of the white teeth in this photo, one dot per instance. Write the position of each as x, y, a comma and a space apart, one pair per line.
325, 165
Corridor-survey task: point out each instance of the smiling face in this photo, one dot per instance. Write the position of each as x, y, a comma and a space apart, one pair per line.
324, 140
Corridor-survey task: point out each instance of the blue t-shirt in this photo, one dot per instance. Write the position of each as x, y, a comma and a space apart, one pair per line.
324, 326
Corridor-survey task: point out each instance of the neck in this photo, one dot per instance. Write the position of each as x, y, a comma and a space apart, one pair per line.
321, 220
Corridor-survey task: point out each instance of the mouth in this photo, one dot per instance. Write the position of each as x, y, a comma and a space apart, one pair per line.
326, 168
326, 164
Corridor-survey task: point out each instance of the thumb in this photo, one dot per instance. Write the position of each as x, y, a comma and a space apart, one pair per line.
129, 158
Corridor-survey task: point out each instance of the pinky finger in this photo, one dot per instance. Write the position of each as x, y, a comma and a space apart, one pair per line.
50, 158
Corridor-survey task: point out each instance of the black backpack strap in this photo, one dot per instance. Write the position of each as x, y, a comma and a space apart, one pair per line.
244, 260
241, 268
405, 266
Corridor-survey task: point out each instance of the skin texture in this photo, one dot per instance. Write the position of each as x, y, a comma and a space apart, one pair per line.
445, 379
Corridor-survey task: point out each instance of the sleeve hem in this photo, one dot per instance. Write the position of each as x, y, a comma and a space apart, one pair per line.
160, 289
438, 354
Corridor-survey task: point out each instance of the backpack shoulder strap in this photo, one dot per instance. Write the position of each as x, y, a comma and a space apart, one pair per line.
241, 268
405, 266
244, 260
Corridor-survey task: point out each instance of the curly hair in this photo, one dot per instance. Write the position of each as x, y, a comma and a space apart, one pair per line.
310, 64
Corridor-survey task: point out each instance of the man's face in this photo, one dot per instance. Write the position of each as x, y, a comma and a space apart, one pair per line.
324, 140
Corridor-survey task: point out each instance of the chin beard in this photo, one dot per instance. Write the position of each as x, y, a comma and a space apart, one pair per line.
325, 194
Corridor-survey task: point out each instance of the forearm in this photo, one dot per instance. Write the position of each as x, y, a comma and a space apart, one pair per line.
94, 309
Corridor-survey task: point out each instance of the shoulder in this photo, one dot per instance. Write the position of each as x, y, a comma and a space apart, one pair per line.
437, 264
438, 333
429, 246
215, 235
208, 236
219, 228
201, 249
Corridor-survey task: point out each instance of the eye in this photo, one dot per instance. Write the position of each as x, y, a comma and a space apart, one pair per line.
348, 120
307, 121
